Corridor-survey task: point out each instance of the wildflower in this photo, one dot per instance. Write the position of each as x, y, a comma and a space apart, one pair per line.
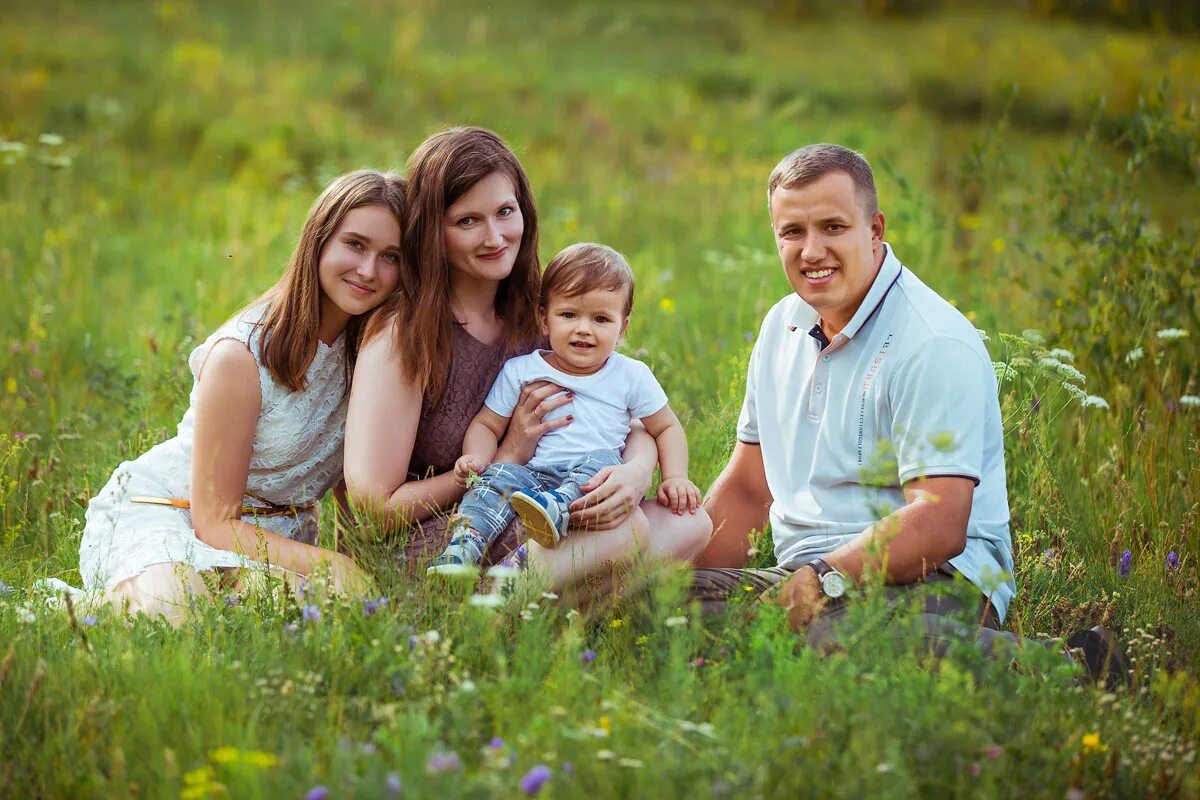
1075, 391
747, 588
20, 437
1190, 401
1092, 744
1167, 334
699, 662
503, 573
1124, 565
605, 725
88, 621
36, 374
997, 246
1094, 401
432, 637
318, 793
1172, 560
442, 761
983, 334
549, 596
291, 628
633, 763
617, 623
371, 606
883, 766
535, 779
467, 686
1033, 336
368, 748
310, 614
568, 768
1062, 355
605, 755
667, 305
392, 781
223, 755
232, 600
50, 139
486, 600
1004, 372
671, 622
496, 743
16, 148
588, 656
1135, 355
995, 751
1070, 373
1049, 555
970, 222
412, 642
256, 758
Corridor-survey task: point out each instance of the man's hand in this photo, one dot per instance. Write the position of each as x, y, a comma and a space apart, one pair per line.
465, 467
800, 595
679, 495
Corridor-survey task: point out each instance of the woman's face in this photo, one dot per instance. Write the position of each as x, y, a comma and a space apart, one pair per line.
483, 230
359, 265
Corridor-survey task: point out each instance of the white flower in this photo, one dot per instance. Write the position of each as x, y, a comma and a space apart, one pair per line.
486, 600
1172, 333
11, 147
1135, 355
25, 615
1004, 372
671, 622
533, 606
605, 755
1049, 363
1094, 401
432, 637
549, 596
526, 615
1075, 391
1062, 355
467, 686
1020, 363
633, 763
50, 139
502, 573
983, 334
1070, 373
1190, 401
1033, 336
883, 766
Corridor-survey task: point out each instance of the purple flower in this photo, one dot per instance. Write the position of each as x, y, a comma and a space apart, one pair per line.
1048, 555
496, 743
20, 437
699, 662
568, 768
995, 751
442, 761
310, 613
976, 768
535, 779
368, 748
233, 600
1126, 562
88, 622
317, 793
393, 783
588, 656
1172, 560
412, 641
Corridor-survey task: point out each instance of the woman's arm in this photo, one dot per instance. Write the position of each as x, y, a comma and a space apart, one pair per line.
381, 429
228, 398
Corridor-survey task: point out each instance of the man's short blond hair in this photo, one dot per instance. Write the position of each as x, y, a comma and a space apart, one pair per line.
813, 162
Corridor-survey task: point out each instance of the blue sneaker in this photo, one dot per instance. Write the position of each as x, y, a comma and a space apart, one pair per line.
465, 550
544, 515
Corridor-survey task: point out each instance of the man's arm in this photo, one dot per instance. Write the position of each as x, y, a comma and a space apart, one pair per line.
914, 540
738, 502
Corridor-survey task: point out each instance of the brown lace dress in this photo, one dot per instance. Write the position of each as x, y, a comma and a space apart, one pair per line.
473, 368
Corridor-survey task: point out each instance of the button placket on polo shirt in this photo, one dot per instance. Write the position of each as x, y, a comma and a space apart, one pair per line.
819, 381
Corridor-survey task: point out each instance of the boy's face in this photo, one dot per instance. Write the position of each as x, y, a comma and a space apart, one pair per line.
584, 329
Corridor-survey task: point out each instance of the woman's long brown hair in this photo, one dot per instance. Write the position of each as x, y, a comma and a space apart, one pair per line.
444, 168
288, 343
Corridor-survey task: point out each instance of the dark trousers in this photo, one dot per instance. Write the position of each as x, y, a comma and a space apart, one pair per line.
941, 614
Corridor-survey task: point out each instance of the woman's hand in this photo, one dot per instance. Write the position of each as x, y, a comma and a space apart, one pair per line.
612, 494
529, 423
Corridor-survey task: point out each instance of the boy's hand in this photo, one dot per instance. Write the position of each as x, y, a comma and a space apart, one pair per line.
465, 467
679, 495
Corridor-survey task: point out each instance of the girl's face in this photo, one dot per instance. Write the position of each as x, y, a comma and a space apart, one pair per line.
483, 230
359, 265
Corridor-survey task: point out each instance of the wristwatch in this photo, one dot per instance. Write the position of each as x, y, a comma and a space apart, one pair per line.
833, 583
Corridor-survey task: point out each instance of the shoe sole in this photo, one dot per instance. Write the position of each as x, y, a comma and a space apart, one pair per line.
538, 525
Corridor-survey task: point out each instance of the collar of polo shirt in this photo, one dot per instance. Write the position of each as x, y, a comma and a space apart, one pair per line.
885, 279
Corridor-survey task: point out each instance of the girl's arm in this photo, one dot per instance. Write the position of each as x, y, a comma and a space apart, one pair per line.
381, 429
228, 398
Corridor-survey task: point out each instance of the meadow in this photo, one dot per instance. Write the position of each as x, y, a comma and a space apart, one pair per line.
156, 162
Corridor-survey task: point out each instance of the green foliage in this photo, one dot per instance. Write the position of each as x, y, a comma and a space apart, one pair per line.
156, 162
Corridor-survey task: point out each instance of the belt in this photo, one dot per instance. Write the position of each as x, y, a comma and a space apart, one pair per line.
267, 509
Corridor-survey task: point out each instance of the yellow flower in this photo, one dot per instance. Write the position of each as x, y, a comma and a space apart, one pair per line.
259, 759
970, 222
997, 246
643, 639
667, 305
1092, 743
617, 624
11, 385
224, 755
747, 588
606, 725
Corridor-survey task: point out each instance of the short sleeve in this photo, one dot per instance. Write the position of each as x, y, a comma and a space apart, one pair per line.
646, 395
747, 427
502, 397
939, 397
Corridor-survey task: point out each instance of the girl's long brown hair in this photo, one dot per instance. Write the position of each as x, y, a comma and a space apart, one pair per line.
444, 168
288, 343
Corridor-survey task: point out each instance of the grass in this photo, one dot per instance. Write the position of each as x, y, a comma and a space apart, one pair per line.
193, 138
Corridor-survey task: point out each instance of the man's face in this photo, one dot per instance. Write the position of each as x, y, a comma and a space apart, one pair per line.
829, 247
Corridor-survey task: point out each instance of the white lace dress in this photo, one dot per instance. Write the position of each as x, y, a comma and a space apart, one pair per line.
295, 459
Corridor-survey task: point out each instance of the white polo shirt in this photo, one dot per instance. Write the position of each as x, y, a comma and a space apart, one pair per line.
906, 390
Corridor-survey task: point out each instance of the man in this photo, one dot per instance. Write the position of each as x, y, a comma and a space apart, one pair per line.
870, 436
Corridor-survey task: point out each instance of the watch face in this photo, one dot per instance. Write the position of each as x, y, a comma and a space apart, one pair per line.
834, 585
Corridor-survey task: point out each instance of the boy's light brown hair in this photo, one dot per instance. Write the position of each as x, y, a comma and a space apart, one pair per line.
586, 267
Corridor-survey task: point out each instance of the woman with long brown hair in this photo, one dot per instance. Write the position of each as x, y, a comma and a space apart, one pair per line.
261, 441
467, 302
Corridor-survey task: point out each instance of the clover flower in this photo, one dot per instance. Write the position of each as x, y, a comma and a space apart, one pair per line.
535, 779
1125, 563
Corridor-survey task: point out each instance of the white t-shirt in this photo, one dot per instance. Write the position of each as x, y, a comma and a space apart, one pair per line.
604, 404
906, 390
